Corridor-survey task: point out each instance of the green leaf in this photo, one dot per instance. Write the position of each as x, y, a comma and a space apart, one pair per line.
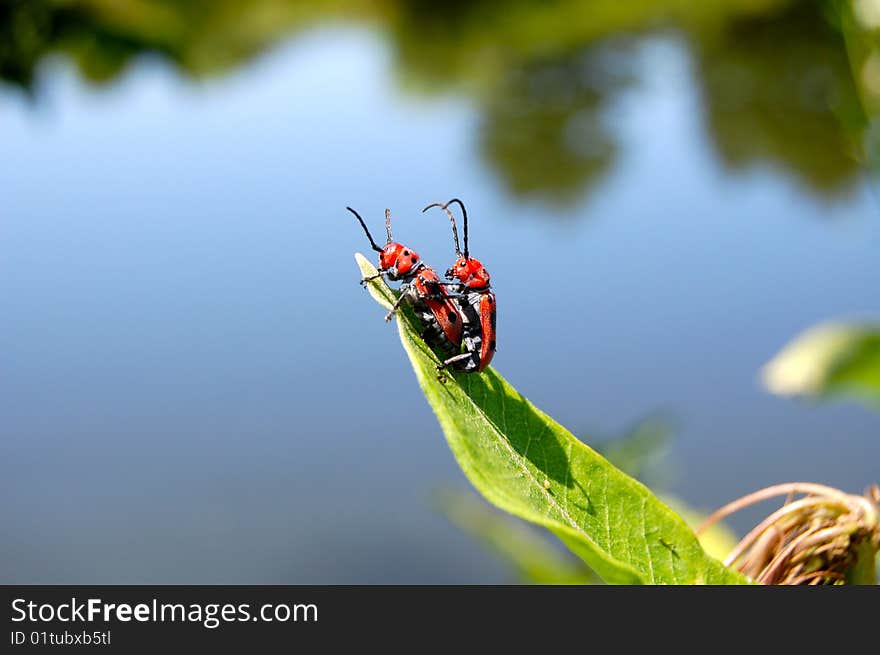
827, 360
524, 462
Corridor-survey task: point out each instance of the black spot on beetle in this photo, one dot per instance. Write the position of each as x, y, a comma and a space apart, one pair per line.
413, 259
405, 253
492, 345
452, 317
492, 320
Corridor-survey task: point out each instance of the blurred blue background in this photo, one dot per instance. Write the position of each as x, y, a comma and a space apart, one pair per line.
194, 387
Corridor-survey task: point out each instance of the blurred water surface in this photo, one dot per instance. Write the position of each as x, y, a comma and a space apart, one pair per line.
194, 387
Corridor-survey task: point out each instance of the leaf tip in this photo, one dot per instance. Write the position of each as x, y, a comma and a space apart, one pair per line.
376, 285
364, 264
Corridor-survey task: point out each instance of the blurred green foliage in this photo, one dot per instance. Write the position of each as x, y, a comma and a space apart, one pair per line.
773, 75
829, 360
530, 554
779, 89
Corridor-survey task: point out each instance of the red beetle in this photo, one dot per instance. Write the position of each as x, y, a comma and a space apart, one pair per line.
422, 288
475, 299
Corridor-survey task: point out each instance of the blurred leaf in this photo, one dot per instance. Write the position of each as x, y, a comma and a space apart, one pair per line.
640, 452
529, 553
830, 359
524, 462
767, 80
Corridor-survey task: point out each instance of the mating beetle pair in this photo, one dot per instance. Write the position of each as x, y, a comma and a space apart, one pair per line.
459, 320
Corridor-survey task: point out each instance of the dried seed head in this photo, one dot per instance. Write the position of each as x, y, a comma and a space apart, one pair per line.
819, 536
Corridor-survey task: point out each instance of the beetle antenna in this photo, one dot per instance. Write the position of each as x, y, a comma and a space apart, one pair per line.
364, 225
464, 213
451, 220
388, 224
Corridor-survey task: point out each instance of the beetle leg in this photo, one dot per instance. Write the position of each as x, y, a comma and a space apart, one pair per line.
370, 278
393, 311
452, 360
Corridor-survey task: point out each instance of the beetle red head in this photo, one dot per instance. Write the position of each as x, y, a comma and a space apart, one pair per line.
470, 272
395, 259
398, 260
467, 270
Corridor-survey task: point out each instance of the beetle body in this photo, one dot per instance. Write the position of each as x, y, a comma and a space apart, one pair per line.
421, 287
478, 307
440, 314
476, 300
